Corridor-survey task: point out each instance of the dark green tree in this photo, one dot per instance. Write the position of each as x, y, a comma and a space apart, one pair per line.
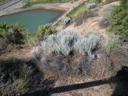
123, 3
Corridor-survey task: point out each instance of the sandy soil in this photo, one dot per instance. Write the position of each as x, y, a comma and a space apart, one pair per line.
90, 25
19, 53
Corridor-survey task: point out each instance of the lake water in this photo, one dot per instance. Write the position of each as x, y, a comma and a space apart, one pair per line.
32, 18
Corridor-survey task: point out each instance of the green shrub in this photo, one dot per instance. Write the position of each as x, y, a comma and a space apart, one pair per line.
42, 32
13, 34
3, 44
27, 4
44, 29
119, 22
123, 3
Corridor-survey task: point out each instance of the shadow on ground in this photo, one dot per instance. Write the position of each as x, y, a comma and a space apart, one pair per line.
22, 78
121, 81
46, 87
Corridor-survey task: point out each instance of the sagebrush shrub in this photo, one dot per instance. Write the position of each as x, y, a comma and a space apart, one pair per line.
56, 53
87, 44
60, 43
67, 41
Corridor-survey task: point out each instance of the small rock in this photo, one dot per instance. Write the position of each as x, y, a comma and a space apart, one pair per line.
91, 5
66, 20
103, 23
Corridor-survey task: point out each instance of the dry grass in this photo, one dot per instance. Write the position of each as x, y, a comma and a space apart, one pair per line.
118, 56
101, 68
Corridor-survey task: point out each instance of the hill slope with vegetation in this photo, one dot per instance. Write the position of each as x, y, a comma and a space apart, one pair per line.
89, 50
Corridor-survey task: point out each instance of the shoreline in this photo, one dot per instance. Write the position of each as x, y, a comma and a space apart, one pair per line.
30, 9
63, 8
33, 8
47, 6
62, 12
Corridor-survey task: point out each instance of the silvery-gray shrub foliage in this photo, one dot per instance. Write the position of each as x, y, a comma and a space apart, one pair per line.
54, 53
86, 45
68, 41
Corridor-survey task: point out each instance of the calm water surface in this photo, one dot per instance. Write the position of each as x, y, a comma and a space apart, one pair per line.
32, 18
